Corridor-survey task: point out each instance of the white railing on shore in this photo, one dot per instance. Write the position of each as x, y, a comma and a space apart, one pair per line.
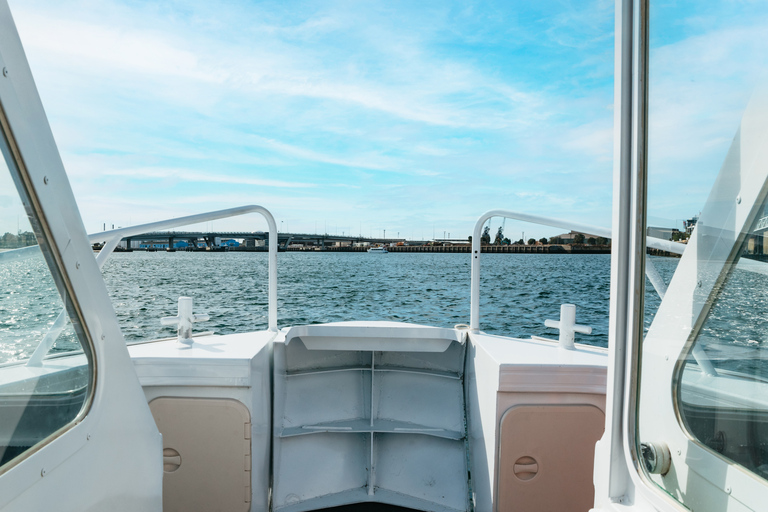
474, 320
113, 237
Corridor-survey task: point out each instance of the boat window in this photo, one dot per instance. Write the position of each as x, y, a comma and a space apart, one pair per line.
703, 380
44, 372
723, 395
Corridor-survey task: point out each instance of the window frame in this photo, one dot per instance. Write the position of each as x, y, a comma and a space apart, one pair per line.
12, 155
717, 480
619, 477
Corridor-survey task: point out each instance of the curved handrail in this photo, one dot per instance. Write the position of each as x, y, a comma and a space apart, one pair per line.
113, 237
474, 320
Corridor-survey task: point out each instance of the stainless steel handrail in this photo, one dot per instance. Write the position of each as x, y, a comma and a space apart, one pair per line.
474, 321
113, 237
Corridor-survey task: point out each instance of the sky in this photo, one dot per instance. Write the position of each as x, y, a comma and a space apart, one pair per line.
360, 117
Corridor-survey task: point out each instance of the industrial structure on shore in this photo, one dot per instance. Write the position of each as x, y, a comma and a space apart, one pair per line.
257, 241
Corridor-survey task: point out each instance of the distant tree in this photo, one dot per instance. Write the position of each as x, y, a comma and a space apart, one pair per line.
591, 240
499, 236
9, 240
555, 240
469, 238
486, 238
531, 241
578, 238
520, 242
602, 241
543, 241
506, 241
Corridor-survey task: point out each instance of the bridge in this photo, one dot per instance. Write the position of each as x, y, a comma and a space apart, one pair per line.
251, 239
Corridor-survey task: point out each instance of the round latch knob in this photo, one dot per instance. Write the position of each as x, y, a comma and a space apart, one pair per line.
171, 460
526, 468
656, 458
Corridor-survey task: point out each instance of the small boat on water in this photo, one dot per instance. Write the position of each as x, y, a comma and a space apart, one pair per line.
379, 249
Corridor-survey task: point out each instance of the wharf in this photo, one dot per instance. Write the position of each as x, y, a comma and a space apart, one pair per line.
501, 249
465, 249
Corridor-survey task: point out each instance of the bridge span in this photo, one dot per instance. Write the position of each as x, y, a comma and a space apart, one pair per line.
255, 240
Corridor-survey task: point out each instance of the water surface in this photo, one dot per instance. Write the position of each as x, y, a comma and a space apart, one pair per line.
518, 292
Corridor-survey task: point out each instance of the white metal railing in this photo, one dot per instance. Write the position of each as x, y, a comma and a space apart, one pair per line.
474, 320
20, 253
113, 237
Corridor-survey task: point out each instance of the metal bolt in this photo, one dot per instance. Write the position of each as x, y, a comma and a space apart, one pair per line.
728, 489
698, 284
77, 265
45, 179
5, 71
88, 437
679, 451
738, 199
42, 472
102, 339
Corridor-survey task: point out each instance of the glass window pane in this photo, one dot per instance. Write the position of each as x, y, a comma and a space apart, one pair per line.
707, 69
45, 375
724, 381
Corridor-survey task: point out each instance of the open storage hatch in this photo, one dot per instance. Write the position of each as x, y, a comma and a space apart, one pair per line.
370, 412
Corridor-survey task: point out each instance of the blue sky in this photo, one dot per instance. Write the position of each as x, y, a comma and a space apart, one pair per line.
414, 117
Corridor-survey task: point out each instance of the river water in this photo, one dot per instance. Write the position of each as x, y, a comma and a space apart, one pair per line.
518, 292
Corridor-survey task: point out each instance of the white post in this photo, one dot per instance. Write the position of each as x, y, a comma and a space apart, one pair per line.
272, 256
184, 320
474, 301
567, 326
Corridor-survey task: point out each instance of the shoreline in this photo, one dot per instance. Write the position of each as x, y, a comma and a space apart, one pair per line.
461, 249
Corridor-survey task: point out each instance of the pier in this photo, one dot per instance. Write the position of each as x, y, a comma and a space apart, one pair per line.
466, 248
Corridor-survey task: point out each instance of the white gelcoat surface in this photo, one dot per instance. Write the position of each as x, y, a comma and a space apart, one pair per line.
235, 366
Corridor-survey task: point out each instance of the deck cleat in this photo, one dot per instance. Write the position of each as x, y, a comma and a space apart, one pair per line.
184, 320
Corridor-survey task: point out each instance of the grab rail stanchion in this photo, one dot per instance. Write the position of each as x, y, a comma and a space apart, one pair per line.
474, 317
113, 237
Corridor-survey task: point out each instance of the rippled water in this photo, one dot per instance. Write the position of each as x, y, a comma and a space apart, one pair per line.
29, 305
738, 316
518, 291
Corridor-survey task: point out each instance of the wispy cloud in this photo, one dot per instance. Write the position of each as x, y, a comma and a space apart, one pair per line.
363, 110
700, 85
155, 173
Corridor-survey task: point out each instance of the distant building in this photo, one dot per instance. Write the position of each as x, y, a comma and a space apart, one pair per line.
567, 238
153, 245
663, 233
690, 224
